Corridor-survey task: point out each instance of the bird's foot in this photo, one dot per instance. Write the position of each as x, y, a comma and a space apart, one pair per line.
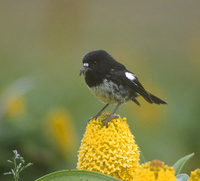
108, 119
94, 117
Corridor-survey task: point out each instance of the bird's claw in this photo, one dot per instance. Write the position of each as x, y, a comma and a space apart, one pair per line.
108, 119
94, 117
104, 121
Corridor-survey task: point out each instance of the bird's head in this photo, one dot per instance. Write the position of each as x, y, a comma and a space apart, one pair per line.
98, 61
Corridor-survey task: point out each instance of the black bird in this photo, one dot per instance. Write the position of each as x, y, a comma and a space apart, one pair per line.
112, 82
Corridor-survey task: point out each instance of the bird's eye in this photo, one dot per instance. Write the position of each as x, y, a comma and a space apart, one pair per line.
86, 64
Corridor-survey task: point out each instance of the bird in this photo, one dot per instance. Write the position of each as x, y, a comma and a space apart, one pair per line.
112, 83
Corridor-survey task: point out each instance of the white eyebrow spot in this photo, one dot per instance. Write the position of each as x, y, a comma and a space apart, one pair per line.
130, 76
85, 64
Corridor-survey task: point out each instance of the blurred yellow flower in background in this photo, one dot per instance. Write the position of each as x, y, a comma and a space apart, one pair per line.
193, 52
61, 130
16, 106
12, 98
195, 175
110, 150
147, 113
154, 171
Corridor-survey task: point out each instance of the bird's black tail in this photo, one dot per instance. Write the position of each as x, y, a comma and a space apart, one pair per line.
153, 99
147, 96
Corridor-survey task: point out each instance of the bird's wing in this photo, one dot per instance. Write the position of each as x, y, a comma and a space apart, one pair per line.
130, 82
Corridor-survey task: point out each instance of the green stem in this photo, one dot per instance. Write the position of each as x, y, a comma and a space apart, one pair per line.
16, 175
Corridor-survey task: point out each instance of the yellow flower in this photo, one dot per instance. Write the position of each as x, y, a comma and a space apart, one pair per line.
154, 171
110, 150
195, 175
61, 130
16, 106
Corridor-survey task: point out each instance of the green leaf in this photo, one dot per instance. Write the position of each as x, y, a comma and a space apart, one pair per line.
182, 177
181, 162
76, 175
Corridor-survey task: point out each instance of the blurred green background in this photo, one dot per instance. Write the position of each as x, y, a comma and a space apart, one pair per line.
45, 105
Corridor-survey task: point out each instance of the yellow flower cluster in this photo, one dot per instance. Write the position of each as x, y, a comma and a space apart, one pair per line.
16, 106
110, 150
61, 130
195, 175
154, 171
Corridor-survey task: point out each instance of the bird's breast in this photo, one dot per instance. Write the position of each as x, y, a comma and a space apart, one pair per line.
110, 93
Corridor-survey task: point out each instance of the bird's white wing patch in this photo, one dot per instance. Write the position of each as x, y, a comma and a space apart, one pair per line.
130, 76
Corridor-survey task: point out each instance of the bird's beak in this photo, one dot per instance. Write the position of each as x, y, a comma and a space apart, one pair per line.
83, 70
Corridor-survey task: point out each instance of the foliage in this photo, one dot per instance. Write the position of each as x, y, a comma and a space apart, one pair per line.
19, 165
76, 175
181, 162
